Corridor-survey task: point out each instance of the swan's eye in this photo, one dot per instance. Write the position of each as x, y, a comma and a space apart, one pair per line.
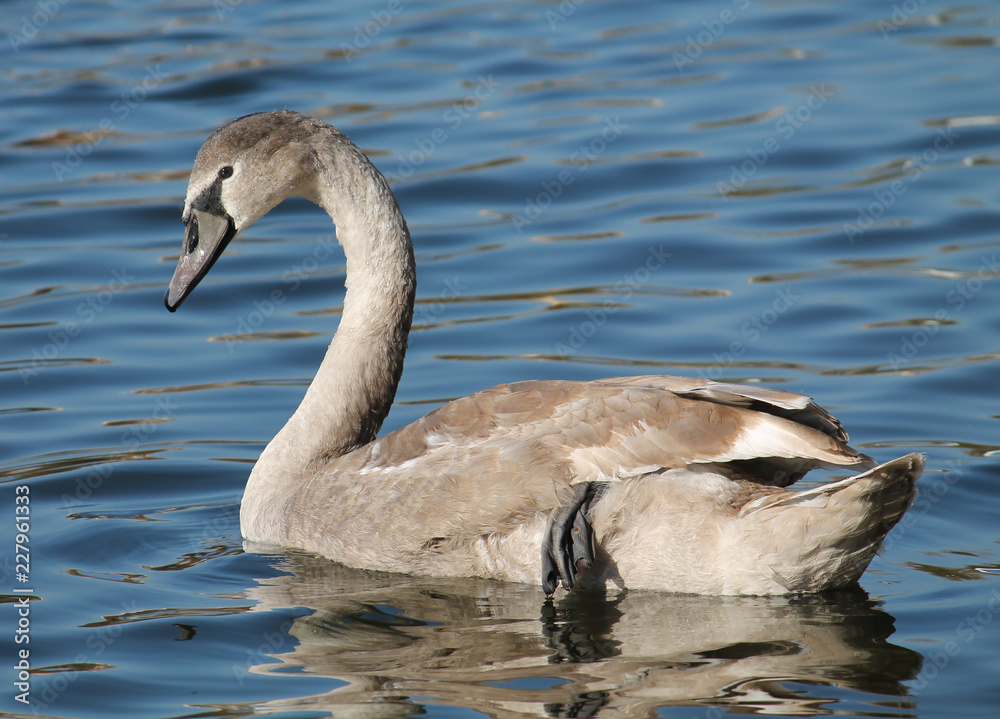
226, 172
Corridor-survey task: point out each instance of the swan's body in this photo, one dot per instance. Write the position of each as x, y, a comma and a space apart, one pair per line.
690, 474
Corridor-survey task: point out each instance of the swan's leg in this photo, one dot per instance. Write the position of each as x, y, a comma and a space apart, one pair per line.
568, 544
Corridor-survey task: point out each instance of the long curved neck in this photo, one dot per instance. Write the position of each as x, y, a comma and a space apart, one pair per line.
354, 387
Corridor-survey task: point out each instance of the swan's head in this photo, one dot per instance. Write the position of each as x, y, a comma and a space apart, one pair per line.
241, 172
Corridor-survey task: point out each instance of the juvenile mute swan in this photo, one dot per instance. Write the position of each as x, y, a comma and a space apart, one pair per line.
652, 482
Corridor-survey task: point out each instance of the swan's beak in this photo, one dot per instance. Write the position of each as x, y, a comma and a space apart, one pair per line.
205, 239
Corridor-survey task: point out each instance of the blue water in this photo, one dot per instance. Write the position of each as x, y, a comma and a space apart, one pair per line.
803, 195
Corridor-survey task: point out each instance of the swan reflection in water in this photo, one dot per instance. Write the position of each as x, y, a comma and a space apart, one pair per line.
505, 650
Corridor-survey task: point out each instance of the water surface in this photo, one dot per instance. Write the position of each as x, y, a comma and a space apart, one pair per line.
798, 194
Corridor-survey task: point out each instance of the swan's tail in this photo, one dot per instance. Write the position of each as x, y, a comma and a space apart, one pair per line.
835, 529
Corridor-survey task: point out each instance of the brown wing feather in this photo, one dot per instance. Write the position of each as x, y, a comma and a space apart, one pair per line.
566, 432
506, 455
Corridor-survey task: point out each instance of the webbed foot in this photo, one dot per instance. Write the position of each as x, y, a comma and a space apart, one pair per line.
568, 544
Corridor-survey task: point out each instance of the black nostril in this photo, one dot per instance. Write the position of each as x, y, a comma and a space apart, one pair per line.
191, 243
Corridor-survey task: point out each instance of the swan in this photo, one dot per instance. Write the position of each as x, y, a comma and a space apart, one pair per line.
654, 482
